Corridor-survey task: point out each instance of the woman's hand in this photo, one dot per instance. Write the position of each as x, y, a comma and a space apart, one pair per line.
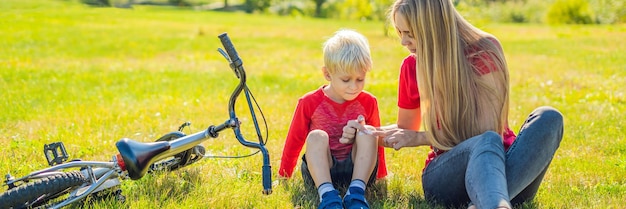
397, 138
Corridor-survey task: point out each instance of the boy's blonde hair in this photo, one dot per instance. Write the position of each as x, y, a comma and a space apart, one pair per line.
347, 51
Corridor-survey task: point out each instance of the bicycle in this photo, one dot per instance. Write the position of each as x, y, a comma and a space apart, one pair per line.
57, 186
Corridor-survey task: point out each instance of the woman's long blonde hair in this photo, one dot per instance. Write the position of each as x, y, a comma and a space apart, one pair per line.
457, 100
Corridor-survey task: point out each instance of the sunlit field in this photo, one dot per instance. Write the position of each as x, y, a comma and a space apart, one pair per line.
91, 76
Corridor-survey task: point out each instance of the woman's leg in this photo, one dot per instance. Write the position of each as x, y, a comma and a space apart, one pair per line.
529, 156
471, 171
530, 191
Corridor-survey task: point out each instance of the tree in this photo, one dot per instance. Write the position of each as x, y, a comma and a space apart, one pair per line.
318, 7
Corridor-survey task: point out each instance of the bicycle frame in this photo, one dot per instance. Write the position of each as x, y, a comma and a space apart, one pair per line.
100, 175
134, 158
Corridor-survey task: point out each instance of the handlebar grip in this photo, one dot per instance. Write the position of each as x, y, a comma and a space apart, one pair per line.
267, 180
230, 49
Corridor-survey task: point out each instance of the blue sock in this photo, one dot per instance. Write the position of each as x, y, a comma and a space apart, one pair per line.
325, 187
356, 183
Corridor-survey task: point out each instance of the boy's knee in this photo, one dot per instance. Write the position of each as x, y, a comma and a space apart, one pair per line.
371, 128
363, 138
317, 135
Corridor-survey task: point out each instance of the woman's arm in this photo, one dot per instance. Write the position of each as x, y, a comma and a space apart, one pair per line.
405, 133
409, 119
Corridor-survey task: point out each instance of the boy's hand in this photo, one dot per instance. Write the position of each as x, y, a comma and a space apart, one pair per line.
352, 128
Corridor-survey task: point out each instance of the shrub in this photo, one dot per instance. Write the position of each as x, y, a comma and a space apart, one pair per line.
180, 3
609, 11
288, 8
98, 3
526, 11
257, 5
570, 12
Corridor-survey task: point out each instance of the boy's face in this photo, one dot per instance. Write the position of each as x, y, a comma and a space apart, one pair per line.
344, 86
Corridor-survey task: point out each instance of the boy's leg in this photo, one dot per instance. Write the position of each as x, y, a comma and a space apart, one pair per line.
318, 157
319, 162
364, 156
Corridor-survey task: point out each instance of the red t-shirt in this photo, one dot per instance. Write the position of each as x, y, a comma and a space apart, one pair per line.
409, 98
315, 110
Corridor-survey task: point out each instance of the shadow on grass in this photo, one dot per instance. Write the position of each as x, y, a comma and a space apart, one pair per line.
527, 205
380, 195
160, 186
377, 195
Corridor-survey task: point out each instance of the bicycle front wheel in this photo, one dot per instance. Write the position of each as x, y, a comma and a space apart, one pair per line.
41, 192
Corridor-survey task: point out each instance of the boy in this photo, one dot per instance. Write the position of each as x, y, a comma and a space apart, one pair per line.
333, 158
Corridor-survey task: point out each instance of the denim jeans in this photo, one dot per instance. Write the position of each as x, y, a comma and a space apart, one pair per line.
480, 172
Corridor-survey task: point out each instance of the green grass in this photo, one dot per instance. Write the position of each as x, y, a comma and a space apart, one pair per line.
91, 76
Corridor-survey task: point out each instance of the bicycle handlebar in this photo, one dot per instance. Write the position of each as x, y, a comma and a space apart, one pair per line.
137, 156
230, 50
237, 65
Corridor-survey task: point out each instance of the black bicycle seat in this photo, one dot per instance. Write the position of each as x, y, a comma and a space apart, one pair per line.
138, 155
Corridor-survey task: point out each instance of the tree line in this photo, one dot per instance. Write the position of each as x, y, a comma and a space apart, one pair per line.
513, 11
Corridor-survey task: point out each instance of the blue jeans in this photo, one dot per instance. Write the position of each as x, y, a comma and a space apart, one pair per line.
479, 171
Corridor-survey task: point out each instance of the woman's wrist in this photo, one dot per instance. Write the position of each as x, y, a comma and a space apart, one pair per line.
422, 140
387, 127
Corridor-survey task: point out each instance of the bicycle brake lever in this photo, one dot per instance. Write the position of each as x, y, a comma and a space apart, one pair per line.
232, 65
221, 51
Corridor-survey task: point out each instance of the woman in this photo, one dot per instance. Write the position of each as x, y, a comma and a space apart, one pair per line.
455, 84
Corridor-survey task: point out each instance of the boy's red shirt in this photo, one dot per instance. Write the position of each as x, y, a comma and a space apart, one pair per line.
316, 111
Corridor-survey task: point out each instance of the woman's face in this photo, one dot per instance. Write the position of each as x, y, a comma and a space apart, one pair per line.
407, 39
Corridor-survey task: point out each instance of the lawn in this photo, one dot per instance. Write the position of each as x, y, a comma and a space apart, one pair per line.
91, 76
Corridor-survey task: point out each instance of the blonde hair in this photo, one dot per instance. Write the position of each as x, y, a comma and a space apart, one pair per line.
458, 99
347, 51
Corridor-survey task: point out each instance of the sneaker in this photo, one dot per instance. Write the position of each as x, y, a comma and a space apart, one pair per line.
331, 200
356, 199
